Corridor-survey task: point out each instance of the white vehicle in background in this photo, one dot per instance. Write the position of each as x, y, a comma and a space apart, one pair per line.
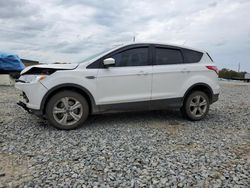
247, 76
138, 76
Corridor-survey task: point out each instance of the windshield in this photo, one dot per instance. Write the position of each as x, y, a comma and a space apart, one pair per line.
92, 57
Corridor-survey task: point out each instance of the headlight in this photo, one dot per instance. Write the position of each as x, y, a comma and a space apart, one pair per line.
39, 78
32, 78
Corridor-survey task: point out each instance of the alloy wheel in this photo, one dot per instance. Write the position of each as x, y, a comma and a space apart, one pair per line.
198, 106
67, 111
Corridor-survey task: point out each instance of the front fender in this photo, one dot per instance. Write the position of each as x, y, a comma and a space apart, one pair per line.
76, 78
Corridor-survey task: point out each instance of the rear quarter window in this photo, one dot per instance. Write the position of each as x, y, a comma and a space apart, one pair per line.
192, 56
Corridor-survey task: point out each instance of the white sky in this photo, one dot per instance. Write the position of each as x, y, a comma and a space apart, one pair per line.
70, 30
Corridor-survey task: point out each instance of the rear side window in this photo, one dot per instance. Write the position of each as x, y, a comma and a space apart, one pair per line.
166, 56
132, 57
192, 56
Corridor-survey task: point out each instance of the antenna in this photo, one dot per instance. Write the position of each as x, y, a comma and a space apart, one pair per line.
239, 67
134, 38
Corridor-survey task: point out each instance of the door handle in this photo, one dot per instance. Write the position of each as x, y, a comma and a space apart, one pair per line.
185, 70
142, 73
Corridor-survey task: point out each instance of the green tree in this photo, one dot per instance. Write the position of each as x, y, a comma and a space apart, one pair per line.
229, 74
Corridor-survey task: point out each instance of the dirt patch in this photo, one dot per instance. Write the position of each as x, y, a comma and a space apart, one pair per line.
242, 150
14, 170
174, 129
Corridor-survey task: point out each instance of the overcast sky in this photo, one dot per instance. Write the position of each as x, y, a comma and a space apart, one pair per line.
69, 30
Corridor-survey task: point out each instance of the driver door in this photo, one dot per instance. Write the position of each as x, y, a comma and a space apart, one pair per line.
127, 84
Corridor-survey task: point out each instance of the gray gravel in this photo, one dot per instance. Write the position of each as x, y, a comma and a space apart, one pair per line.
143, 149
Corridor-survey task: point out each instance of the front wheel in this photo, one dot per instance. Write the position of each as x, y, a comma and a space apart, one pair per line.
196, 106
67, 110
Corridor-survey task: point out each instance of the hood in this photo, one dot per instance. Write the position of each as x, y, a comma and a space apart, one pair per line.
36, 69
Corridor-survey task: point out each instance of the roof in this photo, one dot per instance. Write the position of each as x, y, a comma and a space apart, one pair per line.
166, 44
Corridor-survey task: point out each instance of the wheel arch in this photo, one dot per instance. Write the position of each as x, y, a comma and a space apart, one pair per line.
200, 87
73, 87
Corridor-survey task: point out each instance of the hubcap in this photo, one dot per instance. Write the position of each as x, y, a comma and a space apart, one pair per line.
198, 106
67, 111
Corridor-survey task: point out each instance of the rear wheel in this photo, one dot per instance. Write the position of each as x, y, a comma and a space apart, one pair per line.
67, 110
196, 106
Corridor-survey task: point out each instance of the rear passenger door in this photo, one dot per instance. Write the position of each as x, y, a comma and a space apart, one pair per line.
169, 72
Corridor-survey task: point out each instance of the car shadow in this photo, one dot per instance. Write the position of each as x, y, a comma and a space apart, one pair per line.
133, 119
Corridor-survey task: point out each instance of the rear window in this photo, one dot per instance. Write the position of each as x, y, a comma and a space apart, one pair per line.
166, 56
192, 56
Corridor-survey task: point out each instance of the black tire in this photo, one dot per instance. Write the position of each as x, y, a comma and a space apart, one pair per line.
57, 108
188, 108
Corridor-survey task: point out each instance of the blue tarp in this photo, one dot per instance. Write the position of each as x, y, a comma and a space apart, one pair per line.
10, 62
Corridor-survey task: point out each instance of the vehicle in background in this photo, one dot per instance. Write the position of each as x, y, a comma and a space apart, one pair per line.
245, 79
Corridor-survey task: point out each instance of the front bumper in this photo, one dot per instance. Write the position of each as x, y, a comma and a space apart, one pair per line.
33, 94
38, 113
24, 106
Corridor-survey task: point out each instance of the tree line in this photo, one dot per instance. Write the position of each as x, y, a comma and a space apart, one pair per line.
229, 74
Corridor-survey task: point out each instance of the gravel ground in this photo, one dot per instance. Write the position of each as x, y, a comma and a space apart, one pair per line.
143, 149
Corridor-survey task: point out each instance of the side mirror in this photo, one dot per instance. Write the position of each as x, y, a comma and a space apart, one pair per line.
108, 62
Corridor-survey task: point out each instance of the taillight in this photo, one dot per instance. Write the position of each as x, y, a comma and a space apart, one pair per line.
213, 68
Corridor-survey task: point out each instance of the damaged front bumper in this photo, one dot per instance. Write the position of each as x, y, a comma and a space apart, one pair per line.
32, 94
29, 110
24, 106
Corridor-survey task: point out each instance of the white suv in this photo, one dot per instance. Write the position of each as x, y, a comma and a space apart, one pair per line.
138, 76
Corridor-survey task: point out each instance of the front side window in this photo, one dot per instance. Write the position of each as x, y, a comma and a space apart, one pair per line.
166, 56
132, 57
